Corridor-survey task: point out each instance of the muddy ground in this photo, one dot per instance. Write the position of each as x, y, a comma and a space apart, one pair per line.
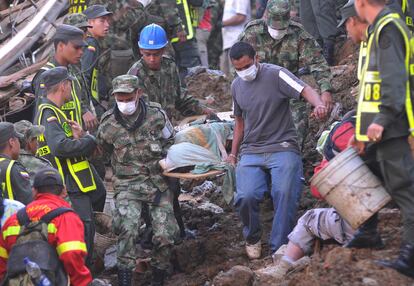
218, 246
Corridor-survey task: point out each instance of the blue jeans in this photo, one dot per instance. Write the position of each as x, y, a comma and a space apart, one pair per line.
252, 177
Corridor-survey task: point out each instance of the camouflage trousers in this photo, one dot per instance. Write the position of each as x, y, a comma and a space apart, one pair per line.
126, 223
300, 116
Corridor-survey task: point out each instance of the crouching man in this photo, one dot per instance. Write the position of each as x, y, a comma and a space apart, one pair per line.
134, 134
267, 139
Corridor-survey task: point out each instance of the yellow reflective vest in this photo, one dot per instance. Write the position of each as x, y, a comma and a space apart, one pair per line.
405, 7
370, 83
72, 108
5, 179
185, 14
79, 167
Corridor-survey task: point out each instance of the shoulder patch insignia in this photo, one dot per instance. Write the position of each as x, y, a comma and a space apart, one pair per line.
52, 118
92, 48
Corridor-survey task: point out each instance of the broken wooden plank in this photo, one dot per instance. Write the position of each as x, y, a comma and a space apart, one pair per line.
8, 80
25, 39
6, 12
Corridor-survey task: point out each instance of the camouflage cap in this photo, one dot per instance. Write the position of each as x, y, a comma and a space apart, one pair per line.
347, 11
278, 14
78, 20
28, 129
125, 84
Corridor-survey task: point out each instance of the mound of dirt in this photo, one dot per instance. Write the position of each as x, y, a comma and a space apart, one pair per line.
212, 89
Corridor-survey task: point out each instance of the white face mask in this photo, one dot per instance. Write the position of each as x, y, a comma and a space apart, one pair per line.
248, 74
144, 2
127, 108
276, 34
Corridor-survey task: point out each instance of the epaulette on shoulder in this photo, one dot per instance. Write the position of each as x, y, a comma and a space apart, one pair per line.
168, 57
299, 29
157, 108
91, 48
154, 105
107, 114
51, 119
257, 22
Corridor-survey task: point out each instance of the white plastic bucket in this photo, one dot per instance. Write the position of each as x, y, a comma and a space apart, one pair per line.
347, 184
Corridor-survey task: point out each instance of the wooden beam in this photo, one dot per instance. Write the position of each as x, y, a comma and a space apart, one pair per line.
8, 80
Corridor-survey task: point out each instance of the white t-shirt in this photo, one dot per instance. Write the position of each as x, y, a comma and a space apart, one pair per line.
231, 8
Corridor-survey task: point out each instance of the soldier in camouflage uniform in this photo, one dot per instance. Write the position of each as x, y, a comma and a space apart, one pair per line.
116, 49
69, 44
135, 135
29, 146
161, 83
165, 14
293, 48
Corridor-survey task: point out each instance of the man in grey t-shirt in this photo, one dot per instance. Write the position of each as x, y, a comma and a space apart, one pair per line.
265, 134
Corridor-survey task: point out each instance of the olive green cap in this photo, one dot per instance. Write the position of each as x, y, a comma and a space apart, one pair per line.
70, 33
54, 76
8, 131
96, 11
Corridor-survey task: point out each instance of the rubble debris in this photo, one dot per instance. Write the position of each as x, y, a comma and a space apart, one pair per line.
237, 275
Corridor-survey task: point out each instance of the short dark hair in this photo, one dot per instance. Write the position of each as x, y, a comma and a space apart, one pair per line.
53, 88
53, 189
3, 146
57, 41
240, 49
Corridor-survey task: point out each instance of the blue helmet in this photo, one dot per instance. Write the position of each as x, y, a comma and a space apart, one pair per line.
152, 37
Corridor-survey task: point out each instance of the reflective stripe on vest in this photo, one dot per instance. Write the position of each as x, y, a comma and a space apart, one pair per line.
79, 168
3, 253
71, 108
7, 186
406, 11
71, 246
370, 87
94, 84
362, 58
195, 16
185, 14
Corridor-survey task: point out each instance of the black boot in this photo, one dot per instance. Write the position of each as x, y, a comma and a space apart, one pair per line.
404, 263
329, 52
124, 277
367, 236
158, 276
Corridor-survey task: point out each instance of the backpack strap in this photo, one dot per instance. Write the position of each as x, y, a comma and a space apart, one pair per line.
47, 218
22, 217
